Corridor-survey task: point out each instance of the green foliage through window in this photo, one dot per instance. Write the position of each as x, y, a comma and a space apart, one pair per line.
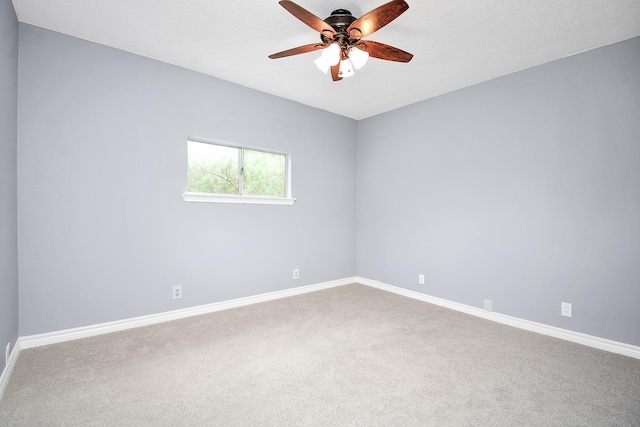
220, 169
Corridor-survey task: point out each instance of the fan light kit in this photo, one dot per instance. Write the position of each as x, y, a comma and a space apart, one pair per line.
341, 34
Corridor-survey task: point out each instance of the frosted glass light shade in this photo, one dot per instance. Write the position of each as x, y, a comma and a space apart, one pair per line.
358, 57
322, 64
332, 54
346, 68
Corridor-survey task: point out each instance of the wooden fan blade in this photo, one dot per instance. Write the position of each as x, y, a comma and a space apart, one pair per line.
335, 69
298, 50
376, 19
308, 18
384, 51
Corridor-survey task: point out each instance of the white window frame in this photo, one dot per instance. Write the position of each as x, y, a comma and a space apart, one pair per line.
238, 198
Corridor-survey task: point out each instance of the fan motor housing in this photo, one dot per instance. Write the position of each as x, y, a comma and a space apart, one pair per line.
339, 20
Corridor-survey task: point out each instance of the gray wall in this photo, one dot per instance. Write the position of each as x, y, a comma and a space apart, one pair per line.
104, 233
524, 190
8, 177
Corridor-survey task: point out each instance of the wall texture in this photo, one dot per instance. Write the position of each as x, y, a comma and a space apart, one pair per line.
8, 177
104, 233
524, 190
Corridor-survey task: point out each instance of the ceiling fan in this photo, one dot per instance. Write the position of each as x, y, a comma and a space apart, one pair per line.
341, 38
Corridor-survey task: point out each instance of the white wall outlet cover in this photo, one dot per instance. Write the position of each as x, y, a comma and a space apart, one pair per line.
296, 273
421, 279
565, 309
177, 292
488, 305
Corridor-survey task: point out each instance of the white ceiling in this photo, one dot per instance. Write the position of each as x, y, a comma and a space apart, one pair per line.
456, 43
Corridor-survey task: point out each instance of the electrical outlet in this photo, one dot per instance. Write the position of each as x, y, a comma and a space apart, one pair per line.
565, 309
7, 353
177, 292
421, 279
488, 305
296, 274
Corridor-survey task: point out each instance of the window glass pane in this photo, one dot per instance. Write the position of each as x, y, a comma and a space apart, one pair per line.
264, 174
212, 168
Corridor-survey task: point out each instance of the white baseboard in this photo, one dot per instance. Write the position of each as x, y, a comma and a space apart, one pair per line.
6, 373
104, 328
121, 325
564, 334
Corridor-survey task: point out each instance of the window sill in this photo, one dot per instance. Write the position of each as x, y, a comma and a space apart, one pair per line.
229, 198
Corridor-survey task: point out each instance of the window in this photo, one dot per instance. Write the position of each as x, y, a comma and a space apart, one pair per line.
224, 173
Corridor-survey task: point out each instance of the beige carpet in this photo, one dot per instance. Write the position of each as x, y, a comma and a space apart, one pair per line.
351, 355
